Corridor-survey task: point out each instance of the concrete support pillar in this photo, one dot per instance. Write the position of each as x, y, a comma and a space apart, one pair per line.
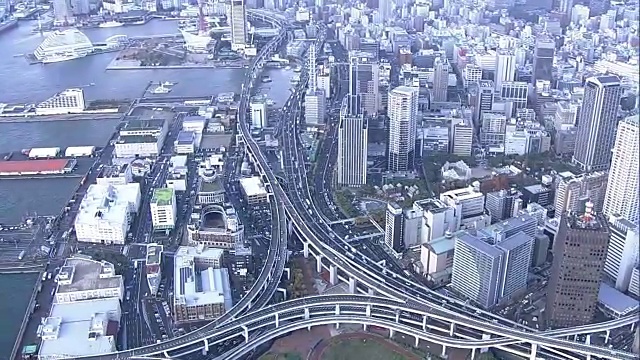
306, 314
371, 292
352, 285
391, 332
444, 351
417, 342
485, 337
534, 352
588, 340
166, 354
284, 292
337, 309
305, 249
288, 271
452, 329
575, 337
337, 325
607, 336
364, 327
473, 353
318, 264
333, 274
424, 323
246, 333
205, 349
397, 316
277, 320
368, 310
290, 227
633, 326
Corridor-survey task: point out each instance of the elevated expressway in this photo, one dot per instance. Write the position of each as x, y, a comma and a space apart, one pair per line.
309, 229
402, 311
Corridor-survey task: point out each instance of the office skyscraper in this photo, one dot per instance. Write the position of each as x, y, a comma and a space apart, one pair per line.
543, 60
572, 190
364, 80
503, 204
482, 101
597, 123
623, 254
622, 191
352, 146
403, 114
440, 79
579, 254
505, 68
238, 23
393, 229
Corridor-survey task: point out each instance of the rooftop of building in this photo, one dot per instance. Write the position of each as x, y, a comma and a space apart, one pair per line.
135, 139
508, 225
186, 137
34, 165
587, 221
163, 196
111, 171
606, 80
82, 328
199, 251
537, 188
154, 253
81, 273
461, 194
143, 124
616, 300
253, 186
211, 186
479, 244
431, 205
107, 203
195, 287
515, 241
444, 243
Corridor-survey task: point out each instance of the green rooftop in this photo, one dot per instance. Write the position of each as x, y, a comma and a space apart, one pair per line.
163, 196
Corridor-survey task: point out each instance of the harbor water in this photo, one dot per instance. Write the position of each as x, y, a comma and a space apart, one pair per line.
23, 83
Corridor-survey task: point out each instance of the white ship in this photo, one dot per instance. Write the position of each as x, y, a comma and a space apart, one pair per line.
63, 45
161, 90
152, 268
110, 24
168, 83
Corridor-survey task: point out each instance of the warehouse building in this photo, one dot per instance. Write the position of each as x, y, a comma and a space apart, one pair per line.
44, 153
80, 151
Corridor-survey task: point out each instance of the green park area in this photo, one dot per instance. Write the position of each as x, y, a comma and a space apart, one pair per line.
369, 349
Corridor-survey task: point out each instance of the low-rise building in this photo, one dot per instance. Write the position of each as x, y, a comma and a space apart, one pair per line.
141, 138
163, 209
106, 213
215, 226
254, 190
82, 278
185, 143
201, 291
115, 175
436, 257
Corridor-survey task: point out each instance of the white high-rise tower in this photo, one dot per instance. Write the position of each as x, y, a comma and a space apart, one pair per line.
403, 114
314, 99
622, 190
238, 23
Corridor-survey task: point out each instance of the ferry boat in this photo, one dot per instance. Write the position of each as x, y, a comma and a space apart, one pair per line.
167, 83
161, 90
266, 79
110, 24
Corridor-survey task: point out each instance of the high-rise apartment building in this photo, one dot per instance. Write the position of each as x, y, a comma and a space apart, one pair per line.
597, 123
622, 191
440, 79
352, 147
476, 270
572, 191
579, 254
543, 59
314, 98
394, 226
516, 93
517, 251
238, 23
624, 252
503, 204
505, 68
483, 100
403, 114
462, 138
364, 80
163, 209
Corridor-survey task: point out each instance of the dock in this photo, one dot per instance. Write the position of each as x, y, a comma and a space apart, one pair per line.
29, 117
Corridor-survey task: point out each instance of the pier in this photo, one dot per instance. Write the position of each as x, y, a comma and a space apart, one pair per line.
113, 114
27, 316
